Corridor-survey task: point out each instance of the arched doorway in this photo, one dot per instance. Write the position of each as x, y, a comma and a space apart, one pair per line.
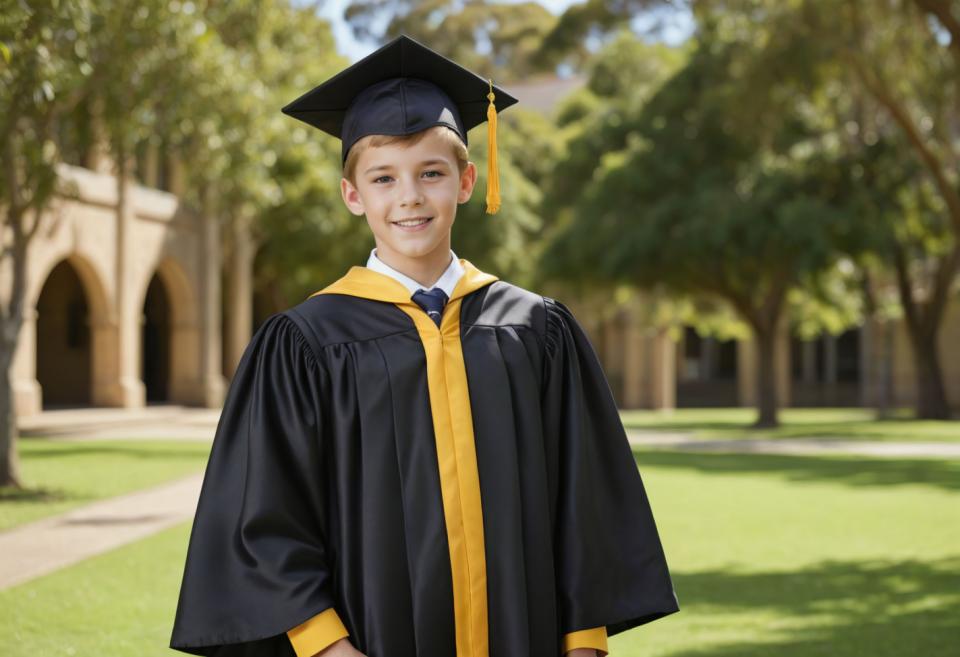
63, 339
157, 325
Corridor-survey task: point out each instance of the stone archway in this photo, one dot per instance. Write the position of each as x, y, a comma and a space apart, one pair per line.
64, 349
170, 336
65, 333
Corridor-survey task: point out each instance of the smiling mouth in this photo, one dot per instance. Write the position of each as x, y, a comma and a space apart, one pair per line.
409, 223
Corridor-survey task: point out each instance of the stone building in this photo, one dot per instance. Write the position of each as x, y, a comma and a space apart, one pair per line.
133, 298
124, 299
871, 365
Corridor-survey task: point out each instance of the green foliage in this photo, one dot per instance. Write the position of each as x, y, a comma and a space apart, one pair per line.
722, 180
42, 73
494, 39
598, 120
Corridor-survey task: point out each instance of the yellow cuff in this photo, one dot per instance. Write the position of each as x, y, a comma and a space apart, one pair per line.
595, 637
317, 633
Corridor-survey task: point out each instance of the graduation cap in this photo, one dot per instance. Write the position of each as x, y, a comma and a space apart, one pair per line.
402, 88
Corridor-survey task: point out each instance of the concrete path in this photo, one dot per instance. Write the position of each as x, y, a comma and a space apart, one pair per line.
812, 446
46, 545
49, 544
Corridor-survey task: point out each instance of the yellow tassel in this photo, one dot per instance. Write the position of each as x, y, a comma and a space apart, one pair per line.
493, 170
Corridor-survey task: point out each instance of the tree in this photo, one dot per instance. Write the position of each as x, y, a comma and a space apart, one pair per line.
724, 185
40, 81
906, 57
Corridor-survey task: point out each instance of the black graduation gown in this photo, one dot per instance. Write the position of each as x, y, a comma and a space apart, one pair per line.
464, 491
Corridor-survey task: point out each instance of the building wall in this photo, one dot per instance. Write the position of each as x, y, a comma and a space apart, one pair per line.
641, 362
116, 250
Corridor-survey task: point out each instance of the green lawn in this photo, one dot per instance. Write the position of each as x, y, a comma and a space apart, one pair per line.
61, 475
842, 423
771, 556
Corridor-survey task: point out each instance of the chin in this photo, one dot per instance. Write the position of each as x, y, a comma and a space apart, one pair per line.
415, 250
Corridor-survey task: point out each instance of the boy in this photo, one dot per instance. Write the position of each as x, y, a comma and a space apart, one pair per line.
419, 460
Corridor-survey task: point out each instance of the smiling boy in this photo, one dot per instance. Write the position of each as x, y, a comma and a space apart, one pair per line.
408, 187
420, 459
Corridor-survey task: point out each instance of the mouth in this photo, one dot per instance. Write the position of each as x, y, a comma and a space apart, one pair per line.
412, 223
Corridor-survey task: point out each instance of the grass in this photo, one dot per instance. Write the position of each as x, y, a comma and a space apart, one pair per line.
839, 423
800, 556
61, 475
771, 556
119, 603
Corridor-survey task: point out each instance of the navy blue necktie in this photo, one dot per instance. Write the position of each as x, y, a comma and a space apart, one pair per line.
432, 302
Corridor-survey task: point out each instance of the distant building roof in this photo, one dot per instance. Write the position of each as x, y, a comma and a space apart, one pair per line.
542, 94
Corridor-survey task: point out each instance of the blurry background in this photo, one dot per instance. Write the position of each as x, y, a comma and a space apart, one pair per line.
752, 206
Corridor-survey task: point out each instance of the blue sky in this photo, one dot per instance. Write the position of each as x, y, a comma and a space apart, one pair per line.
676, 31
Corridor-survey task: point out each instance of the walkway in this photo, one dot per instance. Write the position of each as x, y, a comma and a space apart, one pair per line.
812, 446
46, 545
49, 544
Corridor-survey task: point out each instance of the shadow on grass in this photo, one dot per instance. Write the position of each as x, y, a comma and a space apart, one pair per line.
836, 608
37, 494
852, 471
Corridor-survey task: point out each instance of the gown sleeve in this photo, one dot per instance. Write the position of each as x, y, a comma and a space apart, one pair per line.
257, 581
610, 566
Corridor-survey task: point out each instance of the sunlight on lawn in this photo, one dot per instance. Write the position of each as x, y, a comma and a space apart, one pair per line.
771, 555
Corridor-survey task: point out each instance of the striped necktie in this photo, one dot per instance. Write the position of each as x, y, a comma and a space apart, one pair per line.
432, 302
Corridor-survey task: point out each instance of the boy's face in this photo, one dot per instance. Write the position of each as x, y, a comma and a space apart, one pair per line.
397, 182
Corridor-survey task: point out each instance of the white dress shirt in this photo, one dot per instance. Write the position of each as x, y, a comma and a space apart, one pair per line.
447, 281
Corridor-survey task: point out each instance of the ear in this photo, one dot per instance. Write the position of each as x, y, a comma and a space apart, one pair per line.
351, 197
467, 180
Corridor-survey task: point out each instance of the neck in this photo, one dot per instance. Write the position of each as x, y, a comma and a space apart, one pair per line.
425, 269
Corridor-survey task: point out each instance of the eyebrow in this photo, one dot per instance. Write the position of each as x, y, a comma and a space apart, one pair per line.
384, 167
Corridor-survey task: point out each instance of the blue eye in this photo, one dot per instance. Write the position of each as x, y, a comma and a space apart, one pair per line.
436, 172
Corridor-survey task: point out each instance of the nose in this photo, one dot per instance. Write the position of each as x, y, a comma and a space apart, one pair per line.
410, 193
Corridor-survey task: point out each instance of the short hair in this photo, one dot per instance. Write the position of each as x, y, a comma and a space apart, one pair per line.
446, 134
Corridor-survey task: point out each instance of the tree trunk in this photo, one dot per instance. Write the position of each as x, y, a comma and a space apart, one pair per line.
931, 396
923, 321
9, 463
766, 380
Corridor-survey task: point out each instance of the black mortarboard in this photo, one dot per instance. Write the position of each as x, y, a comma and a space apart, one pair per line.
402, 88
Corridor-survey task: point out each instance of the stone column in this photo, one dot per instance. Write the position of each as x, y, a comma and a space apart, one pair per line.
129, 391
104, 365
634, 362
212, 384
27, 393
662, 369
649, 360
239, 294
613, 363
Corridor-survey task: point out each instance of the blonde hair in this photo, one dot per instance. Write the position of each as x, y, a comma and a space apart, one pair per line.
373, 141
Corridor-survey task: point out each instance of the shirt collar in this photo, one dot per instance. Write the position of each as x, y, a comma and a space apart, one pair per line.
447, 281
